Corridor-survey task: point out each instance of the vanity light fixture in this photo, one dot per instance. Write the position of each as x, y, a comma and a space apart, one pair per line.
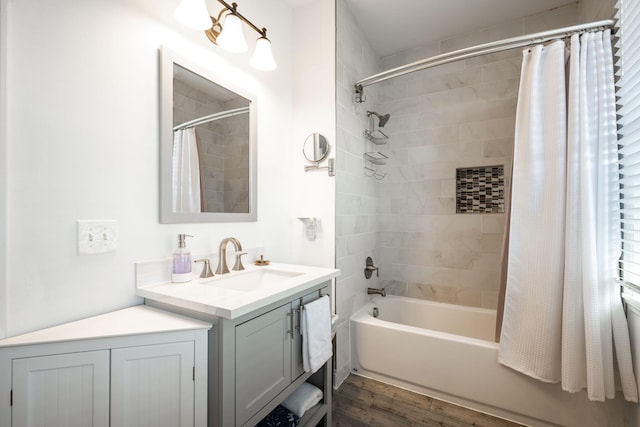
226, 30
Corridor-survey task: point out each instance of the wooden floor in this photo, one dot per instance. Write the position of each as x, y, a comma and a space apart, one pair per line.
361, 402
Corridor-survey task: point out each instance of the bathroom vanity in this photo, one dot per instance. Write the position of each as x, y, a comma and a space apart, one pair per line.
255, 345
140, 366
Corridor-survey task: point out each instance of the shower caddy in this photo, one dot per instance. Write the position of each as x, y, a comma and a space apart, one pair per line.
372, 159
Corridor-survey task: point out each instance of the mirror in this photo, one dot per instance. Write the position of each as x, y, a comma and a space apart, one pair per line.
315, 148
207, 145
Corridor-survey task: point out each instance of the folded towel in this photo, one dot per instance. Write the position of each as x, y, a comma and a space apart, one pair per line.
279, 417
316, 333
304, 398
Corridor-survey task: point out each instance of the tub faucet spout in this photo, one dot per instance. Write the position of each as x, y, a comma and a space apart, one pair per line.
376, 291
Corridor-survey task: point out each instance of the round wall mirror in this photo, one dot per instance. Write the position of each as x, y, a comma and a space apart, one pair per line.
315, 148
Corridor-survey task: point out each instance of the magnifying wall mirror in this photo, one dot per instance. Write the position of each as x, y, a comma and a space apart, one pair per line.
315, 148
208, 145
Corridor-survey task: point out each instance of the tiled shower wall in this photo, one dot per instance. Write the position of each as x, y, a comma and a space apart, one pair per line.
460, 115
222, 146
236, 161
357, 204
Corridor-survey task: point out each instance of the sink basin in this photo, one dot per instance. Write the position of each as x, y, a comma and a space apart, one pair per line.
251, 280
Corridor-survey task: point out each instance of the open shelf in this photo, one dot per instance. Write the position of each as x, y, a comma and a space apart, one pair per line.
376, 157
377, 136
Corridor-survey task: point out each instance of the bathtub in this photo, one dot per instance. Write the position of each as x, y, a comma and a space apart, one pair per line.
447, 351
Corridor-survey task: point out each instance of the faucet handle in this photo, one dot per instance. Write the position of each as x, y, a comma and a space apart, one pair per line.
206, 269
370, 268
238, 265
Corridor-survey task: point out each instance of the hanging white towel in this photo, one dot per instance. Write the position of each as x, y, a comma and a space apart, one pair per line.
316, 334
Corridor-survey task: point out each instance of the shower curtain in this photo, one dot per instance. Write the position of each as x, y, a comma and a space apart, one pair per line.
185, 171
562, 310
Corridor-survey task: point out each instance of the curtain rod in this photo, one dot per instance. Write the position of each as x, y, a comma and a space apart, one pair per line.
212, 117
481, 49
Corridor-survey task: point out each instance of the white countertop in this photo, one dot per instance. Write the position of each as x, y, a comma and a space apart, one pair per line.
140, 319
206, 296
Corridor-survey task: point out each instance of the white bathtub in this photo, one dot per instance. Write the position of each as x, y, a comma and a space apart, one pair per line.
447, 351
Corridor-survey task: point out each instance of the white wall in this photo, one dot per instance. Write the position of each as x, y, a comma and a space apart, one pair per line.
3, 164
82, 142
314, 105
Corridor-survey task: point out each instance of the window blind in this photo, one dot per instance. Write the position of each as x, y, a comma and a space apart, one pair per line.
627, 64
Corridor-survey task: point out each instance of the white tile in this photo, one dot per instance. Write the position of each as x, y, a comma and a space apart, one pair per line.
426, 85
501, 70
485, 35
493, 224
508, 88
489, 129
501, 147
408, 56
563, 16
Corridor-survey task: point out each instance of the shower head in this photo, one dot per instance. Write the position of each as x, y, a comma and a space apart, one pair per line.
382, 118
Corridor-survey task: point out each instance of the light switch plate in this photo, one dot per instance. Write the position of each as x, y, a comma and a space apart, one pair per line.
97, 236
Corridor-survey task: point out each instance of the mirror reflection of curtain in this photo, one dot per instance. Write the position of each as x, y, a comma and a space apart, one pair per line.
186, 172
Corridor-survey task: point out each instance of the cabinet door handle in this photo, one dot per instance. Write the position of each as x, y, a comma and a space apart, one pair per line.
299, 325
291, 327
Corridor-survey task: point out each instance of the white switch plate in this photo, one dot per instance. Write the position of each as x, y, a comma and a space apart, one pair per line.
96, 237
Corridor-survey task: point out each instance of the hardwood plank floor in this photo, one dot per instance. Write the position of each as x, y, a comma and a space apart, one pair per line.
362, 402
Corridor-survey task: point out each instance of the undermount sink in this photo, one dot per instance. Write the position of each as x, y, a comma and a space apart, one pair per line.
251, 280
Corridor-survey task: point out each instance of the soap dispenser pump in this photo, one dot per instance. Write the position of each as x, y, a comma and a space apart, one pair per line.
181, 271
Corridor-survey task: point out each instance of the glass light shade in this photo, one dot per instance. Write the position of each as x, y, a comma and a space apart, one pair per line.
193, 14
262, 58
232, 38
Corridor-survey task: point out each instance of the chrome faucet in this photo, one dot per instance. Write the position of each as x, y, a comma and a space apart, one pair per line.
222, 256
375, 291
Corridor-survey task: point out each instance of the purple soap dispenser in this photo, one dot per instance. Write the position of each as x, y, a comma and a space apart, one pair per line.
181, 270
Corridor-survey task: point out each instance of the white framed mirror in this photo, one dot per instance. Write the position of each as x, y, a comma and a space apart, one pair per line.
208, 131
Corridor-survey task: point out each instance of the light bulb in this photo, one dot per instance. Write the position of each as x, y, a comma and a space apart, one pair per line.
262, 58
232, 38
193, 14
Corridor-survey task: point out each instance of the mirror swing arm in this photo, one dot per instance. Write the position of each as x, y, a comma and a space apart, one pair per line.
331, 167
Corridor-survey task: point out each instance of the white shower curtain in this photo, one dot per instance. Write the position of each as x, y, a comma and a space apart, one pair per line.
563, 313
186, 171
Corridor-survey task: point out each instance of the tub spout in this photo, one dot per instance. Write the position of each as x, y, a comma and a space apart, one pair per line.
376, 291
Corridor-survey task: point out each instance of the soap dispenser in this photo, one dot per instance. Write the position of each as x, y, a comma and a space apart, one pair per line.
181, 271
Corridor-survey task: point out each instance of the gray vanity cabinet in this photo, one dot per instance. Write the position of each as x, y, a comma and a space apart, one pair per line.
268, 356
263, 360
255, 361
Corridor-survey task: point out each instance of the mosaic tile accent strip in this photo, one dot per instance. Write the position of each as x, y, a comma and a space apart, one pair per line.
480, 189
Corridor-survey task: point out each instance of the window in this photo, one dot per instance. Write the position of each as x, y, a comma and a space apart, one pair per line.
628, 92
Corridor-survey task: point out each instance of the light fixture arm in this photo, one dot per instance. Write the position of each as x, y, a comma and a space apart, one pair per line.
233, 8
228, 35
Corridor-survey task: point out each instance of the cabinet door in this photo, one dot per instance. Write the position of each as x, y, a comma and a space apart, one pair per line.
263, 360
62, 390
152, 385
